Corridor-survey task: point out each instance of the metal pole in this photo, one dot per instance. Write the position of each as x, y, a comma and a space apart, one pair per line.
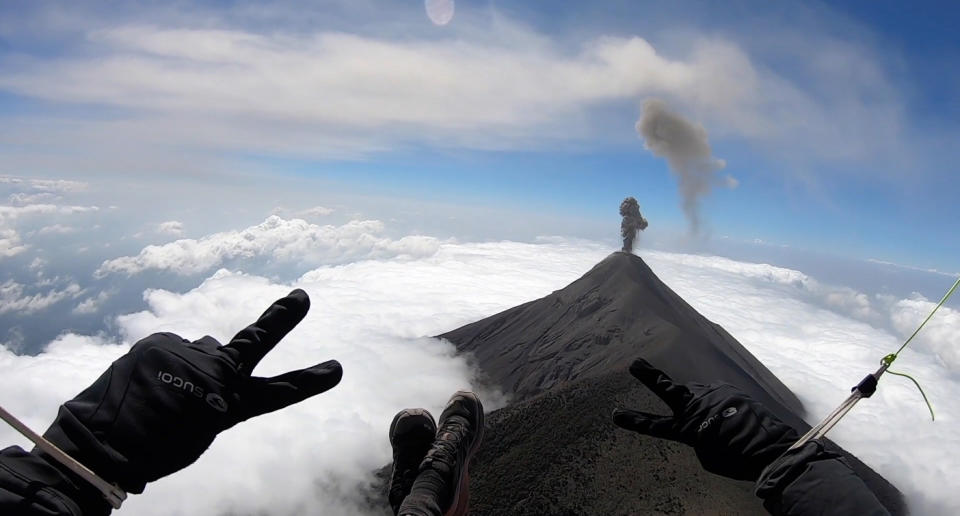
114, 495
864, 389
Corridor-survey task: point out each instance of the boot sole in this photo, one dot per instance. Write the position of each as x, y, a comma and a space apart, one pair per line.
409, 412
393, 443
461, 497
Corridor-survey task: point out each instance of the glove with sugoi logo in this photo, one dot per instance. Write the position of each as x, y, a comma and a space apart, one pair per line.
157, 408
732, 434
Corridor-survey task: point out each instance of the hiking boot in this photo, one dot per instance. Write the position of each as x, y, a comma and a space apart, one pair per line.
411, 434
442, 487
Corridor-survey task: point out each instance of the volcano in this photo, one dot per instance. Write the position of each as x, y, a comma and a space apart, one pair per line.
563, 359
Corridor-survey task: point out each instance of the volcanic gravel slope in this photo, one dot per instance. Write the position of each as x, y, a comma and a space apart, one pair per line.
564, 359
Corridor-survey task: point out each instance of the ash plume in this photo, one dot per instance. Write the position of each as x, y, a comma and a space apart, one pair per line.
685, 147
632, 222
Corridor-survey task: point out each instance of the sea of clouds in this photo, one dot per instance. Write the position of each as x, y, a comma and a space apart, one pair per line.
376, 315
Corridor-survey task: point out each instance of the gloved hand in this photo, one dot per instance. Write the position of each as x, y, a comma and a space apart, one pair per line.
732, 434
157, 408
812, 480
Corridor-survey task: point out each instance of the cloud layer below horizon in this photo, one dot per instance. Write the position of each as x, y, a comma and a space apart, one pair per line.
375, 316
294, 241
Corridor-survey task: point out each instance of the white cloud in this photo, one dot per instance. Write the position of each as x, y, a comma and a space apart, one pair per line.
819, 349
13, 298
10, 241
913, 268
372, 315
794, 284
277, 239
317, 211
939, 337
91, 304
44, 185
37, 200
10, 213
334, 94
170, 227
899, 316
56, 229
10, 244
21, 198
37, 264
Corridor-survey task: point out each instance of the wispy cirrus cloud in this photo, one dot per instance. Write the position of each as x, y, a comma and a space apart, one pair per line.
21, 199
56, 229
330, 93
44, 185
8, 213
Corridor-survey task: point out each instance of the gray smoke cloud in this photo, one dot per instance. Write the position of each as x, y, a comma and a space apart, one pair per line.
632, 222
685, 146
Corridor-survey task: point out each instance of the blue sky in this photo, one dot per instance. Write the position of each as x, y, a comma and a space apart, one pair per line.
838, 121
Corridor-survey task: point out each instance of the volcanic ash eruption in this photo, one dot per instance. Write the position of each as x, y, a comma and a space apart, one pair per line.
685, 146
632, 222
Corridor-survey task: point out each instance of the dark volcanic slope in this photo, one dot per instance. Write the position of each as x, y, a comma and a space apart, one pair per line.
564, 359
601, 322
558, 453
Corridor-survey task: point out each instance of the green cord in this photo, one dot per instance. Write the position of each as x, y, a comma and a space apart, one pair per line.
887, 360
925, 400
942, 301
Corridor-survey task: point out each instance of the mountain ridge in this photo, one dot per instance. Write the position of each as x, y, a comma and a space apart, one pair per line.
621, 310
563, 359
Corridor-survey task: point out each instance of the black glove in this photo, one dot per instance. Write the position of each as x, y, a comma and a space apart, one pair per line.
732, 434
157, 408
812, 480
